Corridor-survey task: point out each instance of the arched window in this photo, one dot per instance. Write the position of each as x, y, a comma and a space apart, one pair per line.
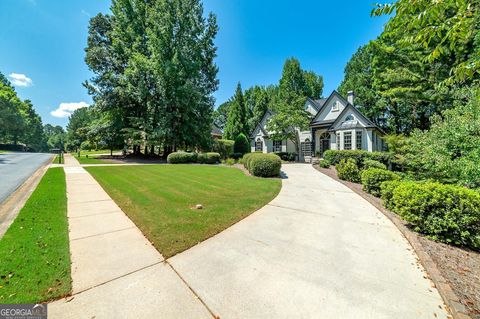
259, 145
349, 118
325, 136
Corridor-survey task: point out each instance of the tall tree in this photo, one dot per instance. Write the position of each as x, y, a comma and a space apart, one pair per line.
237, 116
314, 84
257, 100
289, 115
220, 115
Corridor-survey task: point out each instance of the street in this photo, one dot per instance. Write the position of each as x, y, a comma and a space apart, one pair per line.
15, 168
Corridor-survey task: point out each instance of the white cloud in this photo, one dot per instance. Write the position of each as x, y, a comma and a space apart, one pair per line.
19, 79
66, 109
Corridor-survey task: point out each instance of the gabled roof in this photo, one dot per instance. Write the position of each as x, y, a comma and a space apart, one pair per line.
259, 126
327, 100
216, 130
317, 104
370, 124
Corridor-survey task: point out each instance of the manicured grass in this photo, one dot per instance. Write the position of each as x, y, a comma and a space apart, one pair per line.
160, 199
97, 152
92, 160
34, 252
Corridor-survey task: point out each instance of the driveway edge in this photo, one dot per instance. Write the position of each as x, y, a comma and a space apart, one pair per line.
451, 300
15, 202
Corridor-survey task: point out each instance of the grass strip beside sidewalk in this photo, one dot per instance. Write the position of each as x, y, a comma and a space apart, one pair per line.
34, 252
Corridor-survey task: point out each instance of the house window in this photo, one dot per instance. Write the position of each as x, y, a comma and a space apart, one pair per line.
358, 136
277, 146
338, 141
335, 106
349, 118
259, 145
347, 140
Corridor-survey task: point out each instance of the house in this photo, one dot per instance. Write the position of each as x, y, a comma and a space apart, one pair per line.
336, 124
216, 132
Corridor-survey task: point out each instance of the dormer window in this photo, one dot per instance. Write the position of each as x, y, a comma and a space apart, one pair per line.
349, 118
335, 106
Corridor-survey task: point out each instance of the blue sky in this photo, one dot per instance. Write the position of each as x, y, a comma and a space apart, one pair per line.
42, 44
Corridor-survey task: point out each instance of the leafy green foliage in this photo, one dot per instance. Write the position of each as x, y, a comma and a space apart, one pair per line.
370, 163
372, 178
208, 158
443, 212
324, 163
242, 145
237, 116
263, 165
359, 156
287, 156
182, 157
449, 151
348, 170
224, 147
35, 263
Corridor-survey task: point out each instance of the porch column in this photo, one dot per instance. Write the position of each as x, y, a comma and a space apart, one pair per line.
314, 131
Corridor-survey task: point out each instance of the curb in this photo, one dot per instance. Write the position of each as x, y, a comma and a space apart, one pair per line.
457, 310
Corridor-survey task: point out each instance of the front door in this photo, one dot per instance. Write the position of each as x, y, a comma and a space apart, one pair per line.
325, 146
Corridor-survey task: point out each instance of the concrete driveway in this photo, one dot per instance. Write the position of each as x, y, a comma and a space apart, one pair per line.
316, 251
15, 168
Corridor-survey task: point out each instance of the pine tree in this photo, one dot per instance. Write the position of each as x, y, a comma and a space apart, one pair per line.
237, 119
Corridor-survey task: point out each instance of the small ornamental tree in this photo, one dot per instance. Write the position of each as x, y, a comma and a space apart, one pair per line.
241, 144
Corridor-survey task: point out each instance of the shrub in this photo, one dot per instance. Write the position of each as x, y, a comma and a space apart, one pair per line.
348, 170
372, 179
223, 147
86, 146
324, 163
208, 158
358, 156
286, 156
247, 157
386, 191
264, 165
229, 161
369, 163
241, 144
181, 157
447, 213
236, 156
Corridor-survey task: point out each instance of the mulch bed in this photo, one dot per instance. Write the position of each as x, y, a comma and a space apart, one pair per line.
459, 267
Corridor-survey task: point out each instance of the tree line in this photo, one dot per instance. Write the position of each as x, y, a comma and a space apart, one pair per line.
422, 63
21, 126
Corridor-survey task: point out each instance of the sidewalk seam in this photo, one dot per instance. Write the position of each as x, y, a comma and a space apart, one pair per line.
100, 234
192, 290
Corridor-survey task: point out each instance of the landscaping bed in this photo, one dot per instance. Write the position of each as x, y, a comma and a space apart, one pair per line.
161, 200
35, 257
458, 266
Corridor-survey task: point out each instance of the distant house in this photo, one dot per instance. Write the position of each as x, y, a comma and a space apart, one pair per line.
216, 132
336, 124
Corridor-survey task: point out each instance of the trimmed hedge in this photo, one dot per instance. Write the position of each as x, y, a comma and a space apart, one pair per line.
348, 170
359, 156
181, 157
369, 163
447, 213
223, 147
287, 156
324, 163
262, 165
208, 158
241, 145
372, 179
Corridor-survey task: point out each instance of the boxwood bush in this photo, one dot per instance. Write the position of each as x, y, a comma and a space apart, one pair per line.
324, 163
208, 158
372, 179
348, 170
181, 157
262, 165
369, 163
241, 145
335, 156
447, 213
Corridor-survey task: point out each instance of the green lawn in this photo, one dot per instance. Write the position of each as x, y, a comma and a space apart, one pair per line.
92, 160
97, 152
159, 199
34, 252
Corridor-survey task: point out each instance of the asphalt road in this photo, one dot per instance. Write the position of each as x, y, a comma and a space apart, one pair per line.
15, 168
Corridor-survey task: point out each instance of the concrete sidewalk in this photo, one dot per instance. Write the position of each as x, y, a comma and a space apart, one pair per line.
116, 272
